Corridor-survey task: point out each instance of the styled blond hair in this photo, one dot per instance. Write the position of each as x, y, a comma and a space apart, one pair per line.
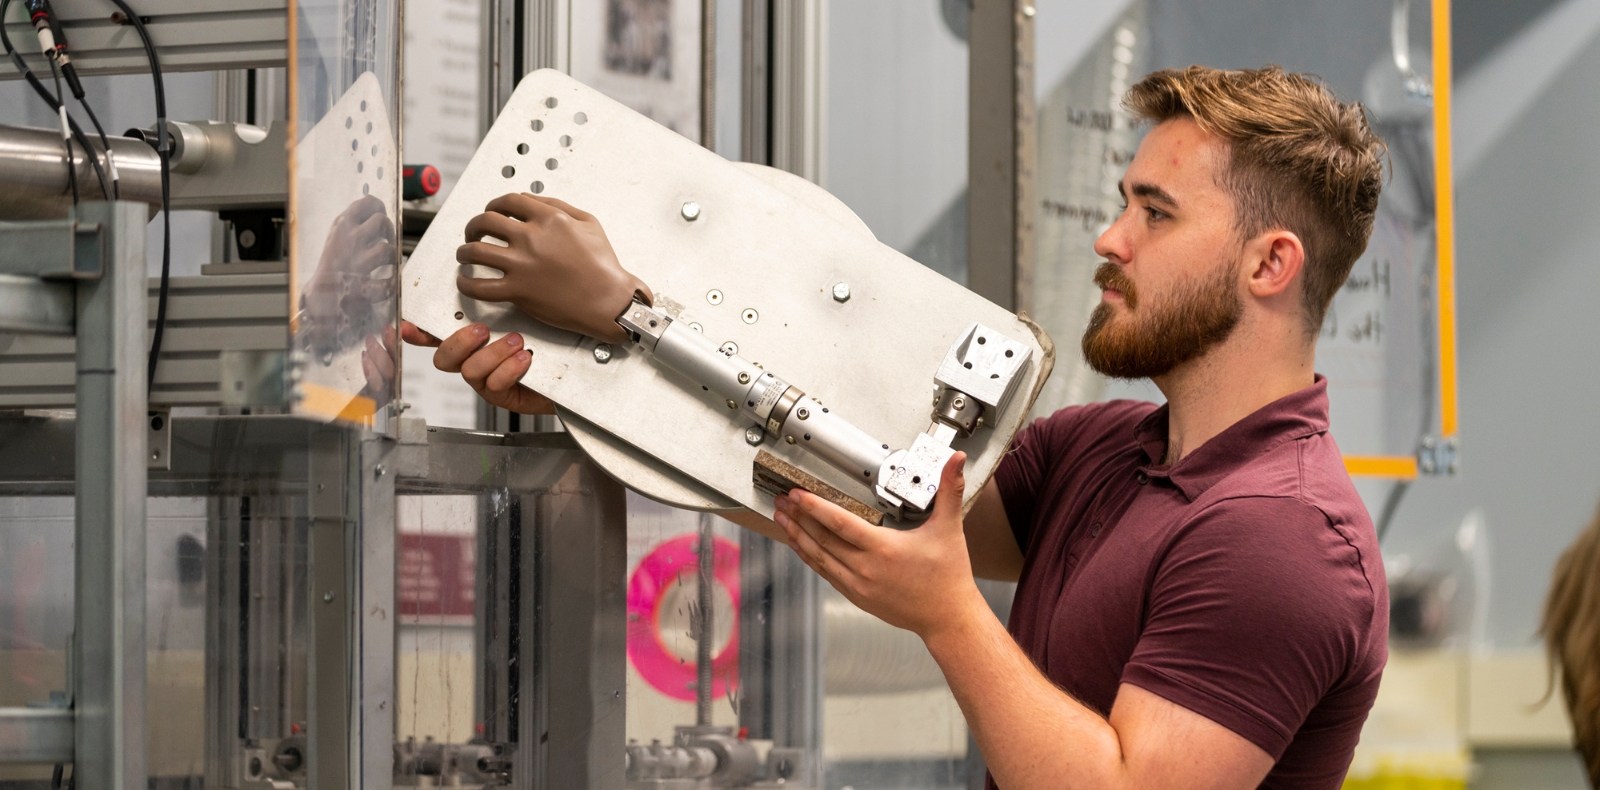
1571, 631
1302, 161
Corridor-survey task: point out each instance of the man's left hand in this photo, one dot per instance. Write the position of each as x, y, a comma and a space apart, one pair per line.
920, 579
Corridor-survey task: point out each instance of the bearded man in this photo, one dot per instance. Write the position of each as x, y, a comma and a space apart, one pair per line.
1200, 600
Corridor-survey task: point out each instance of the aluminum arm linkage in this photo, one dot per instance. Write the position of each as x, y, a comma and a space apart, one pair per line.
975, 378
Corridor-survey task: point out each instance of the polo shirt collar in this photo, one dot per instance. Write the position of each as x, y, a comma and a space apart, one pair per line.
1294, 416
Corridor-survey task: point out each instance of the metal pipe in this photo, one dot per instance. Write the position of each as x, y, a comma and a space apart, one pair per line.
33, 172
705, 623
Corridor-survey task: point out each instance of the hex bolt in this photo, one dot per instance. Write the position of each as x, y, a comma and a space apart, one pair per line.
602, 353
691, 211
753, 435
841, 292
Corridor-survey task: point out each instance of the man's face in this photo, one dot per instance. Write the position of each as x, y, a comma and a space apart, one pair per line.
1170, 283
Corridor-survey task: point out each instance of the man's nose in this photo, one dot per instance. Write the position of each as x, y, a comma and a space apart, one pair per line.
1113, 244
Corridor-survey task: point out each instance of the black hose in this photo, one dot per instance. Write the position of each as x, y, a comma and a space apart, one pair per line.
54, 104
164, 150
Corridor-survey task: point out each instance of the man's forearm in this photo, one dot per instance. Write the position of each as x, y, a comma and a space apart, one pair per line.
1033, 734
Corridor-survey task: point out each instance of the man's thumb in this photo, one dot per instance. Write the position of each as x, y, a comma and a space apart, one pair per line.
952, 488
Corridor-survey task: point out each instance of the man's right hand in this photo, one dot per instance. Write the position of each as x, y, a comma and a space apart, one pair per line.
493, 370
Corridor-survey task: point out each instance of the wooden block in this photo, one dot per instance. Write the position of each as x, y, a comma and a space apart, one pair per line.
776, 476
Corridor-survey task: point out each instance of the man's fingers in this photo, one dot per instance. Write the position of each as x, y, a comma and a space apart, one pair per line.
381, 361
850, 529
414, 335
493, 224
508, 373
814, 555
485, 289
952, 489
522, 206
476, 368
455, 349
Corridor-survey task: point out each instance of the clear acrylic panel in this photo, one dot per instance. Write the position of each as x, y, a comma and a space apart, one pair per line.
344, 201
1376, 344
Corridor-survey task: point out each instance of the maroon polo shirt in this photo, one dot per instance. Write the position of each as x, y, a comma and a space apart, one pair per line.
1242, 582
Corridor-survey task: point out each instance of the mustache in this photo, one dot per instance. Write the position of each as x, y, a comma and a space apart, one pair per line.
1110, 277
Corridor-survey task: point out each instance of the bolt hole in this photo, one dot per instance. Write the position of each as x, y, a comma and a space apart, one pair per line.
994, 375
354, 145
981, 341
508, 171
551, 164
751, 403
916, 478
347, 122
369, 127
1008, 352
538, 187
808, 437
580, 119
566, 140
550, 102
537, 125
460, 315
360, 166
968, 366
522, 148
156, 422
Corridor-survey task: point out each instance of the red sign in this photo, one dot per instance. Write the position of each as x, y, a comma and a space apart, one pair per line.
435, 575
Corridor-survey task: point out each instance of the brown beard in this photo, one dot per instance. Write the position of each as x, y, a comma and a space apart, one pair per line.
1180, 328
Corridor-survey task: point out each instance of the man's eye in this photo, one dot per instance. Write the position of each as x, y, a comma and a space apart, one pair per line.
1155, 213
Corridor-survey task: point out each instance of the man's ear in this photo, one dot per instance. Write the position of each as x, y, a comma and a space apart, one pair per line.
1275, 259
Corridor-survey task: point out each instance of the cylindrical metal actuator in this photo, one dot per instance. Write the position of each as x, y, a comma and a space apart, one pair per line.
33, 172
771, 402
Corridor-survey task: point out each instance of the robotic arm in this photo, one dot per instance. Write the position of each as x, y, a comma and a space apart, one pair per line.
976, 377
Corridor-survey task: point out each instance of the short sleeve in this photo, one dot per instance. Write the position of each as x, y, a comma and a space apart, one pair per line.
1257, 609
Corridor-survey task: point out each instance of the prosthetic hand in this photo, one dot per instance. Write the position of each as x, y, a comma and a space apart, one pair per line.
558, 265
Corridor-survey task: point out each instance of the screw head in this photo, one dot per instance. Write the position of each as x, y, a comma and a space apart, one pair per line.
804, 412
691, 211
841, 292
789, 439
749, 315
960, 404
1028, 11
744, 378
730, 348
602, 353
327, 597
733, 406
695, 325
714, 296
753, 435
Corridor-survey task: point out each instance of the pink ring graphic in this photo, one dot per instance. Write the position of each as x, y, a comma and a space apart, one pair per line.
657, 573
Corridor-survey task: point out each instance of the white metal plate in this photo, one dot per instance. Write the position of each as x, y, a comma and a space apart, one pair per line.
871, 358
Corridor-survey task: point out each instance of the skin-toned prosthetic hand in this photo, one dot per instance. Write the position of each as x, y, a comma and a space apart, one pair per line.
558, 265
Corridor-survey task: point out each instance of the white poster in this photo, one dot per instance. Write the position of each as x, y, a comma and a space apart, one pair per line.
643, 53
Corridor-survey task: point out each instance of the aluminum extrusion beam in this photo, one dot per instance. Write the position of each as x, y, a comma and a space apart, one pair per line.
109, 580
35, 735
34, 306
